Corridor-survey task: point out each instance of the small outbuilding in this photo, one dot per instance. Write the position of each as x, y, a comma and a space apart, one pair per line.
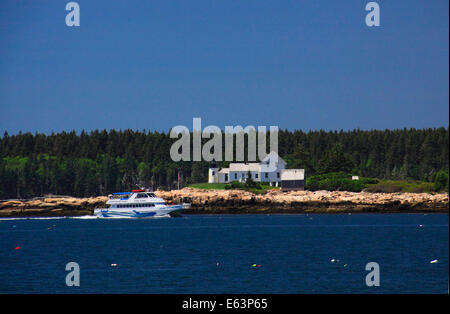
292, 179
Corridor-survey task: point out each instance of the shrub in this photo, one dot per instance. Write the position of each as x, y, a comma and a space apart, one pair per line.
412, 186
337, 181
441, 181
235, 185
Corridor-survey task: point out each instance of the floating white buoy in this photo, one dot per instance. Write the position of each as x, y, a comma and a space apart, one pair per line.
420, 226
434, 261
113, 265
334, 260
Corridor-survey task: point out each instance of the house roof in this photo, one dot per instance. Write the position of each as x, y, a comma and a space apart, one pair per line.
273, 156
292, 174
266, 165
224, 170
245, 167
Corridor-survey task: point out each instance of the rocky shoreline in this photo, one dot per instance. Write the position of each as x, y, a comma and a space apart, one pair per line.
238, 202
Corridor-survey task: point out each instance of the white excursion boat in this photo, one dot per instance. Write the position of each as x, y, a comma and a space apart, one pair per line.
136, 204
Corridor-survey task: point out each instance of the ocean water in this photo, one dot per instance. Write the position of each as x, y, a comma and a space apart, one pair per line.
218, 253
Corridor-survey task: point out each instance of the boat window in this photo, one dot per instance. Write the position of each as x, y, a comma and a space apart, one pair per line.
151, 194
142, 195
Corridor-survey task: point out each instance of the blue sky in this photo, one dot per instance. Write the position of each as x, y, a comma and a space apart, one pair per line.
156, 64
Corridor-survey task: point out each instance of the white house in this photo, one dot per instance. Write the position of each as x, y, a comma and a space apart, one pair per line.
268, 170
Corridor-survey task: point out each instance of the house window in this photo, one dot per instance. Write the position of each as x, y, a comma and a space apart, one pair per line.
256, 176
226, 177
266, 174
243, 175
235, 175
278, 175
213, 173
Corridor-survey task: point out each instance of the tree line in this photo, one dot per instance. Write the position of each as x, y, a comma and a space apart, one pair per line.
101, 162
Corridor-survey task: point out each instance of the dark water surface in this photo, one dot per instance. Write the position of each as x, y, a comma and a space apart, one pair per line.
215, 254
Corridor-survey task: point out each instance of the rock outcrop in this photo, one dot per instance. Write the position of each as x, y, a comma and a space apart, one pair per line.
238, 201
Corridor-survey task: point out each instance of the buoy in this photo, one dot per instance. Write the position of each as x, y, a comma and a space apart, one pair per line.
217, 264
334, 260
113, 265
420, 226
345, 265
17, 248
256, 265
434, 261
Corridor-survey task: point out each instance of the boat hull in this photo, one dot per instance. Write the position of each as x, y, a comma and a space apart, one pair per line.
137, 213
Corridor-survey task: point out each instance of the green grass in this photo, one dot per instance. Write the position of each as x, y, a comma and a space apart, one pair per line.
383, 186
209, 186
391, 186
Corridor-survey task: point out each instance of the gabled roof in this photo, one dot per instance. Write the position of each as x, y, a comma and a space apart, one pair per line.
273, 156
245, 167
265, 165
224, 170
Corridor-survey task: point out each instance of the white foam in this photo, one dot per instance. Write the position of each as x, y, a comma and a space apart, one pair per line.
32, 218
84, 217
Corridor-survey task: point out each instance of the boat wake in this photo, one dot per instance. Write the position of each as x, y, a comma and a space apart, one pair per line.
32, 218
78, 217
84, 217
